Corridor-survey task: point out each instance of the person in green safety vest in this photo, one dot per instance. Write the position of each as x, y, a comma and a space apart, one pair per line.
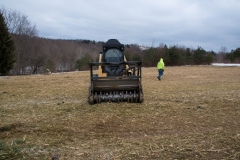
160, 67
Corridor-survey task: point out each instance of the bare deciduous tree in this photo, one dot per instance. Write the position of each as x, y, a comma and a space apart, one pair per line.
18, 23
22, 31
221, 56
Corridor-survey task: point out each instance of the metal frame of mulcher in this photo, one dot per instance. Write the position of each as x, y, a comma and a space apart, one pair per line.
125, 88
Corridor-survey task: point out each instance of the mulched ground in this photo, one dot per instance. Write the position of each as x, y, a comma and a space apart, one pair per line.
192, 113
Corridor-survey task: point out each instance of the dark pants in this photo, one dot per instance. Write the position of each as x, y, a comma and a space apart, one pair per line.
160, 73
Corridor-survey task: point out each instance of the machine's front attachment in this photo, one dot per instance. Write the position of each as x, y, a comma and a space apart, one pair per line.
126, 87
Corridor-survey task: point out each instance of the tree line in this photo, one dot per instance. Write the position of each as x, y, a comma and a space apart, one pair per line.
22, 51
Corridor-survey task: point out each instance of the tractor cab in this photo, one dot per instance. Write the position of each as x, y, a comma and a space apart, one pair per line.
113, 53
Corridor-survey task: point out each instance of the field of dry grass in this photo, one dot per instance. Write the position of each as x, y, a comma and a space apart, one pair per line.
193, 113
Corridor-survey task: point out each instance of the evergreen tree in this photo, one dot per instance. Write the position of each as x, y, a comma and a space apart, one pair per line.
83, 63
6, 48
166, 56
149, 58
230, 57
209, 58
236, 53
189, 56
199, 56
174, 56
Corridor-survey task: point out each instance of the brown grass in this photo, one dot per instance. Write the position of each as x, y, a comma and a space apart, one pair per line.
193, 113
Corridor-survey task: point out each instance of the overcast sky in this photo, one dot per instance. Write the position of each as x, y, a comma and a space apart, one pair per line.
210, 24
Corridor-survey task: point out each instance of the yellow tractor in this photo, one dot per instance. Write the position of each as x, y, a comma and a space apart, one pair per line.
115, 79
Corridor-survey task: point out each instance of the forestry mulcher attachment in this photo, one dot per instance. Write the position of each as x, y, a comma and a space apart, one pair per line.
116, 80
